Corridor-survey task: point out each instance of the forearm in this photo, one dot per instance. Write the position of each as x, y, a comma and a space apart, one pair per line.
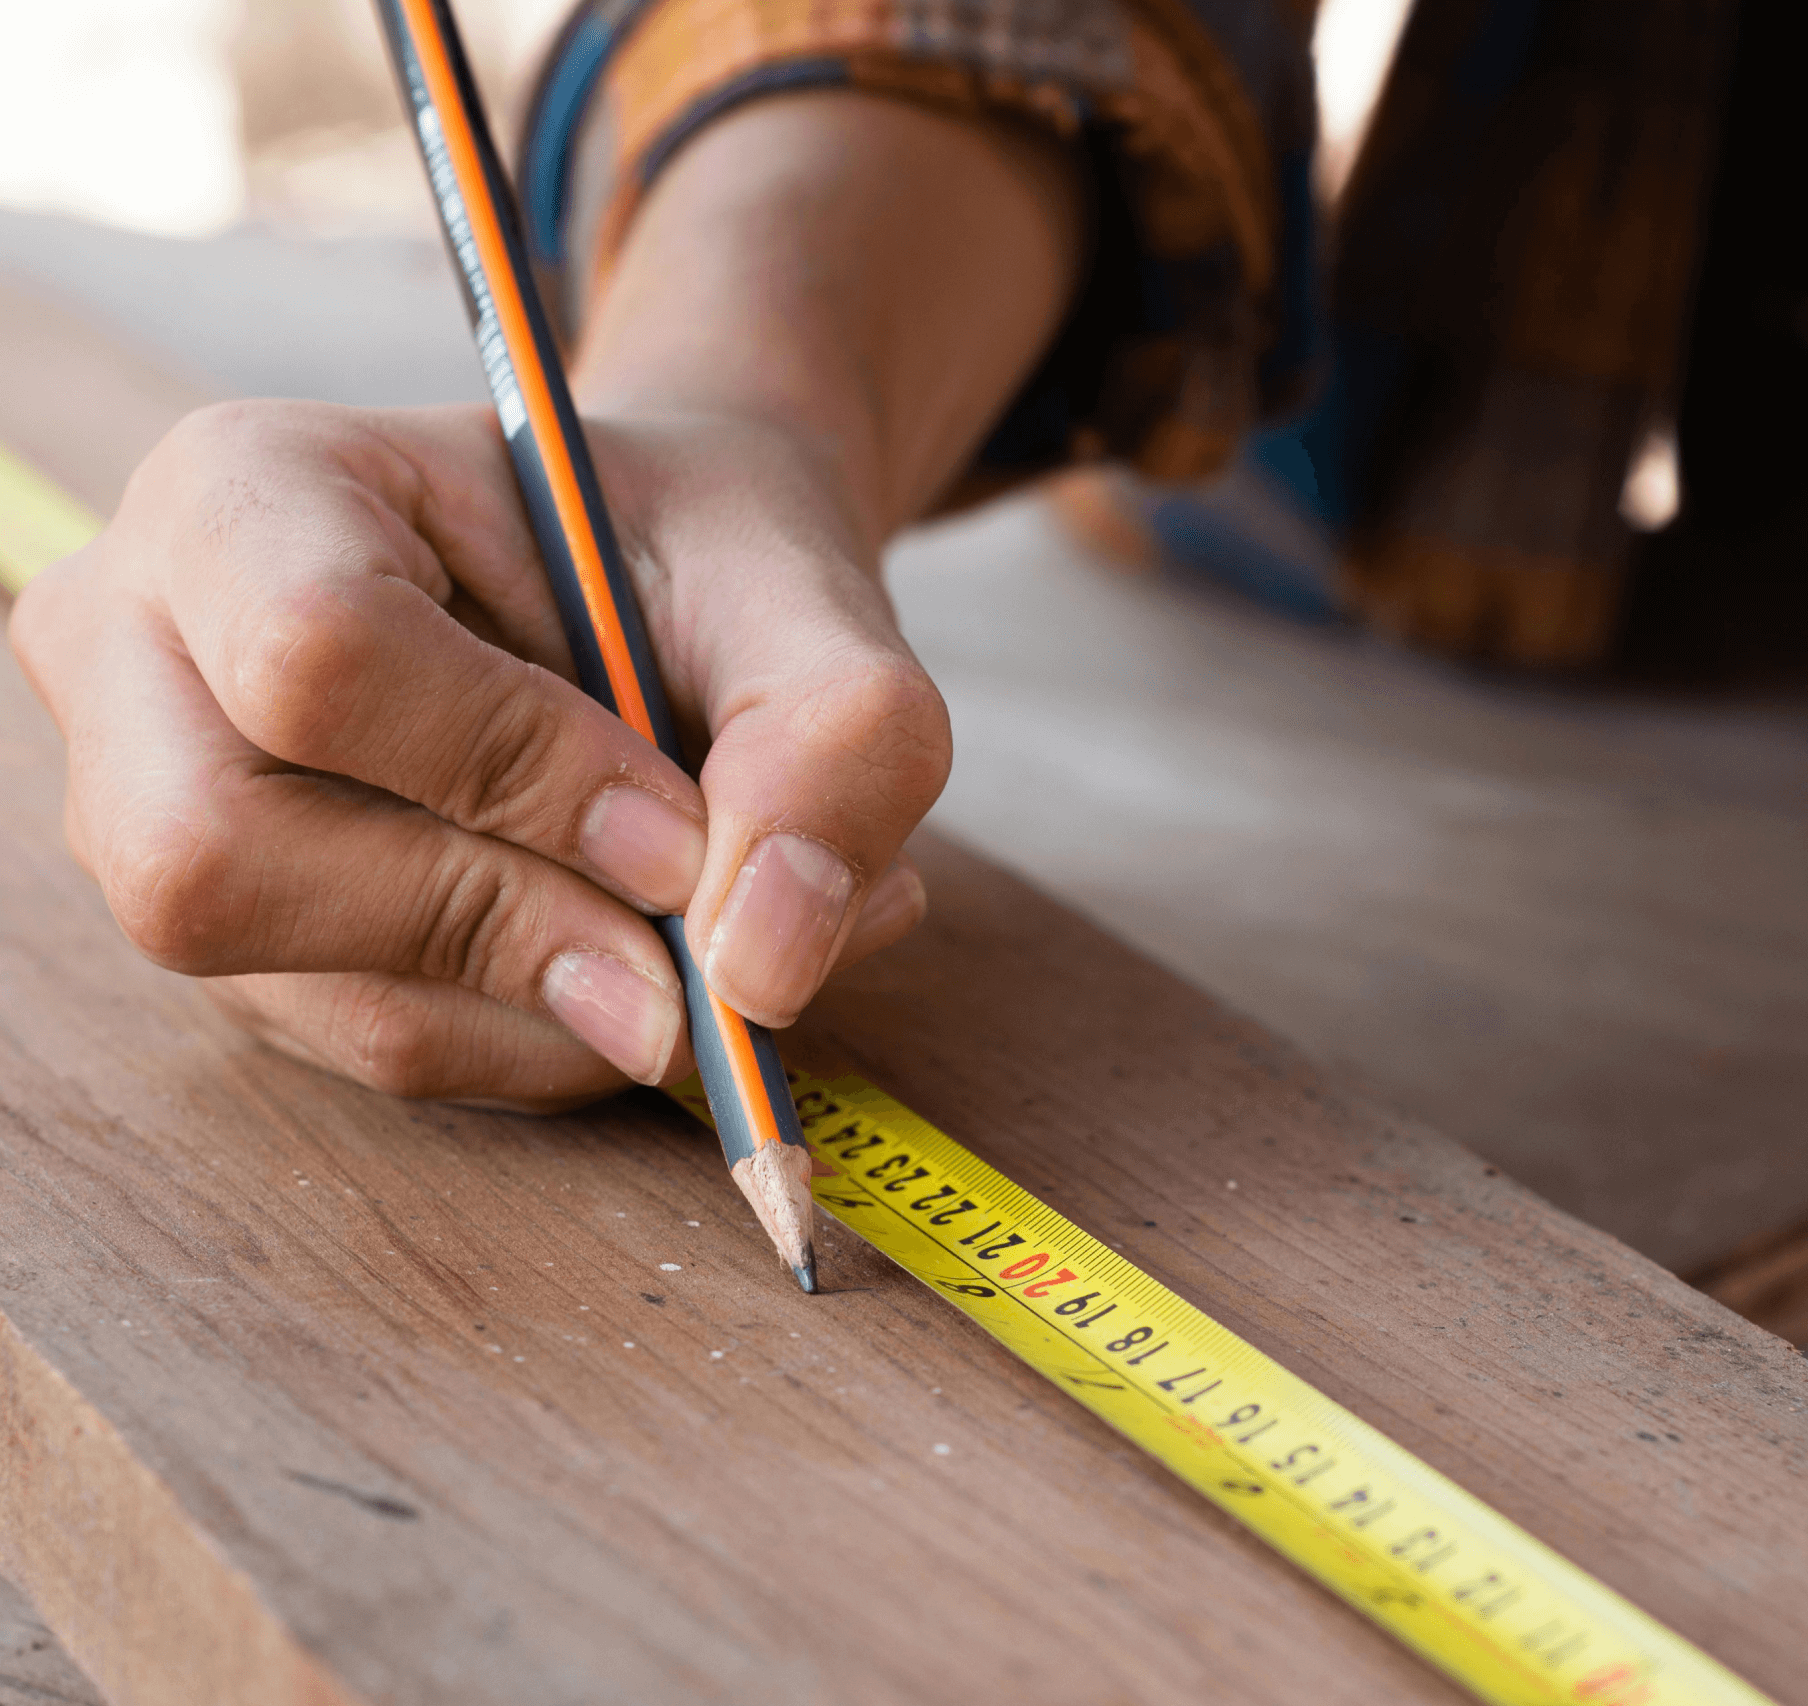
876, 278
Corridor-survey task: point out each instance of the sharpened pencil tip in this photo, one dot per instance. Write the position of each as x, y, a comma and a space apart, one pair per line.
775, 1179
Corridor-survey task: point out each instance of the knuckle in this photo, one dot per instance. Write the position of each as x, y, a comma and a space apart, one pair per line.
197, 444
202, 460
386, 1046
886, 713
468, 918
201, 434
232, 433
171, 887
296, 667
512, 754
290, 654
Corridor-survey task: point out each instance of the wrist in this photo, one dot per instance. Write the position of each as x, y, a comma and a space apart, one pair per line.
783, 469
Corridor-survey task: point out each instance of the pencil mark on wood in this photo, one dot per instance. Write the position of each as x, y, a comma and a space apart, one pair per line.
376, 1503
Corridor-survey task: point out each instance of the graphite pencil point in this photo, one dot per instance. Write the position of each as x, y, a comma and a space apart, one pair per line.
806, 1270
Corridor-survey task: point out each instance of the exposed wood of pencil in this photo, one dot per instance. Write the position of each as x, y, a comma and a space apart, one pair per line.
775, 1178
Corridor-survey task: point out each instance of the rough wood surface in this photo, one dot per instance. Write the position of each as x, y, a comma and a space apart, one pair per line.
34, 1669
308, 1396
1766, 1280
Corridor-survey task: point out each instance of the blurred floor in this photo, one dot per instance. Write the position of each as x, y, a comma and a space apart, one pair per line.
365, 320
1569, 928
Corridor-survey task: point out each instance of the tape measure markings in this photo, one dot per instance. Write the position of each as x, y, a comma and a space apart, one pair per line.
1467, 1589
994, 1241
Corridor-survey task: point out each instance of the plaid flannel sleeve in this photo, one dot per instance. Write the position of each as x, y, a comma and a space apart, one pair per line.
1195, 117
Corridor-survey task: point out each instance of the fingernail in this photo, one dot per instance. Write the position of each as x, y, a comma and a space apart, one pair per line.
777, 929
625, 1017
644, 845
897, 901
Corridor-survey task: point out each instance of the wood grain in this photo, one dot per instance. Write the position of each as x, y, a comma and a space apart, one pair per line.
34, 1669
309, 1396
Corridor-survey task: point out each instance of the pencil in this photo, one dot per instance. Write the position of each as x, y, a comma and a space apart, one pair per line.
737, 1061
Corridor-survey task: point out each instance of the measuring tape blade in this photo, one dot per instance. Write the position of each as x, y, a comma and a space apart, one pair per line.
39, 522
1471, 1592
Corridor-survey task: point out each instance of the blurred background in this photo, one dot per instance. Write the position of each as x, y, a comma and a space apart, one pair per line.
1564, 919
184, 118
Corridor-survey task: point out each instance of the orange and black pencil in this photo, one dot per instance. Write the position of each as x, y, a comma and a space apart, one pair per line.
737, 1061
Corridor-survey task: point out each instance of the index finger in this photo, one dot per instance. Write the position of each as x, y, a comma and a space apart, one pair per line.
319, 616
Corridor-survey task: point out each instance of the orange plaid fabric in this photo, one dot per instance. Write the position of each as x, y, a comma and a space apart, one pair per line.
1196, 116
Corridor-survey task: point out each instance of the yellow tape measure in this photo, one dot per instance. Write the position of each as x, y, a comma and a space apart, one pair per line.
1471, 1592
1458, 1583
39, 522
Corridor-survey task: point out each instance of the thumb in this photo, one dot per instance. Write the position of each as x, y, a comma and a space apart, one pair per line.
828, 739
836, 745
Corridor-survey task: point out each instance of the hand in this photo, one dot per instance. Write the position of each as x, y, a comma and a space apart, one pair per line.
326, 750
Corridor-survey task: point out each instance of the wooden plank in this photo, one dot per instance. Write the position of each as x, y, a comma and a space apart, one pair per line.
308, 1395
81, 405
1765, 1280
34, 1669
